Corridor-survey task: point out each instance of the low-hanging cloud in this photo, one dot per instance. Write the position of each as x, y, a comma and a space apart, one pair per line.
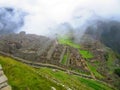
44, 15
10, 20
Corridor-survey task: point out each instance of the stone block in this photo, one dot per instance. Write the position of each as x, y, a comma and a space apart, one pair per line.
3, 85
7, 88
3, 79
0, 67
1, 73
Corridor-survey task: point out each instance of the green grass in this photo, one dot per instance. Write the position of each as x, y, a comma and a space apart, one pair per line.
67, 41
86, 54
64, 60
94, 71
79, 71
94, 84
74, 82
111, 61
23, 77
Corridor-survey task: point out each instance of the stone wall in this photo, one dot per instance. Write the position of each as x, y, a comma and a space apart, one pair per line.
3, 81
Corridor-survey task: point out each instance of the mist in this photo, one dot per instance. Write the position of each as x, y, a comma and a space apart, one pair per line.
48, 17
10, 20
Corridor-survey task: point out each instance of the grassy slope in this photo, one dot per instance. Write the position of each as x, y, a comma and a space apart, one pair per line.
23, 77
68, 42
94, 71
75, 82
111, 60
64, 61
86, 54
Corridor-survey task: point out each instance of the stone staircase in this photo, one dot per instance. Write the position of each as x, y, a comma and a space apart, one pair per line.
3, 81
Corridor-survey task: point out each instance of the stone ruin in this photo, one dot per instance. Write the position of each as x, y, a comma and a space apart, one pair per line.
42, 49
3, 81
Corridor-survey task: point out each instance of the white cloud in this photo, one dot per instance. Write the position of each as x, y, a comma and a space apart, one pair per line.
44, 14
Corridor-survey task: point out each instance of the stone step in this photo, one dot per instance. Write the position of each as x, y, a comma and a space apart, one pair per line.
0, 67
1, 73
3, 79
3, 85
7, 88
51, 51
62, 54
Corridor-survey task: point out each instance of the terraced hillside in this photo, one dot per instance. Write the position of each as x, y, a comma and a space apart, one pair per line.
44, 50
88, 59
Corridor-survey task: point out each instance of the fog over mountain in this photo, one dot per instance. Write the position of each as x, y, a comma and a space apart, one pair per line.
45, 16
100, 18
107, 31
10, 20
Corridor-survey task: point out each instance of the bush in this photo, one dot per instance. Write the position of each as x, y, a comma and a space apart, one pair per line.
117, 71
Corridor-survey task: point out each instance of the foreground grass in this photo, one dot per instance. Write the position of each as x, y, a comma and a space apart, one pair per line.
94, 84
74, 82
23, 77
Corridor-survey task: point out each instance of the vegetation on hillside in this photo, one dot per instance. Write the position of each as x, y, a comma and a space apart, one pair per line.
69, 42
86, 54
23, 77
64, 60
94, 71
75, 82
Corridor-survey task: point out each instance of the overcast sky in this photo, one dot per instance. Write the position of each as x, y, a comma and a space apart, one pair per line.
45, 14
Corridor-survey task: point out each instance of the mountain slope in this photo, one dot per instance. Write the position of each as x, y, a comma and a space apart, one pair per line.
23, 77
107, 31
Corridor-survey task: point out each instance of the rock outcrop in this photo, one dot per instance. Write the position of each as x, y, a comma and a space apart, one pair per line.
3, 81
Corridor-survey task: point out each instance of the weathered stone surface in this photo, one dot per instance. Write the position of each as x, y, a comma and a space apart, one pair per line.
51, 51
0, 67
7, 88
53, 88
3, 79
1, 73
3, 85
62, 55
